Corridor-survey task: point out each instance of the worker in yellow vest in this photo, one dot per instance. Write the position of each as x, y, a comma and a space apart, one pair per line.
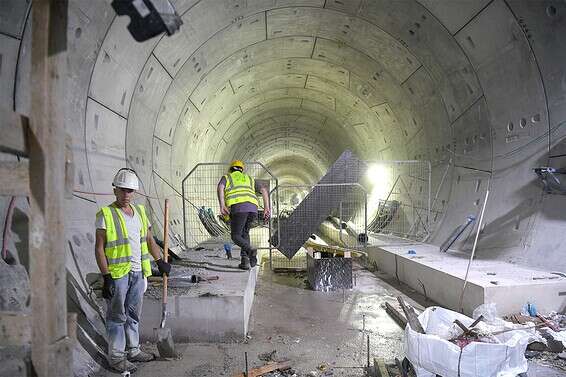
123, 246
237, 198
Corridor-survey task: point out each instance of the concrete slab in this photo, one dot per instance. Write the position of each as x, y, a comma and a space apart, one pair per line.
208, 311
440, 276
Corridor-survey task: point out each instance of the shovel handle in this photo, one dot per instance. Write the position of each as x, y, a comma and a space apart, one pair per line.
165, 246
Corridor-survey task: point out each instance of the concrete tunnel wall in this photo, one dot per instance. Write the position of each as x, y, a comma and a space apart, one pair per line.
477, 87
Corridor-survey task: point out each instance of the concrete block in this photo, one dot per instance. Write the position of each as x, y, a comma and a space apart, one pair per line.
440, 276
214, 312
327, 273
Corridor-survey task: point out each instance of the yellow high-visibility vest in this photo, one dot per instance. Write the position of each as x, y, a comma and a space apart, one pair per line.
117, 249
240, 188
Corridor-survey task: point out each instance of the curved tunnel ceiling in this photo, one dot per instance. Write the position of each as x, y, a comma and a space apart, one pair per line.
294, 83
475, 87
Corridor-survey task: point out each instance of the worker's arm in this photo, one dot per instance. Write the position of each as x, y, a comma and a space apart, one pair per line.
154, 249
99, 251
220, 192
163, 265
266, 204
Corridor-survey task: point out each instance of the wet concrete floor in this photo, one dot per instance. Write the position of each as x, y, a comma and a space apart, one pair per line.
322, 333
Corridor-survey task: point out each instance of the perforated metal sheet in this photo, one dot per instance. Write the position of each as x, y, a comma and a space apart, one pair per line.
319, 203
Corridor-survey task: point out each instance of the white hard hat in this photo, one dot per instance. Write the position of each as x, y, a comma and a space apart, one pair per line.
126, 178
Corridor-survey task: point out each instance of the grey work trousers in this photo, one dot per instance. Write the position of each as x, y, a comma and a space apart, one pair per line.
240, 225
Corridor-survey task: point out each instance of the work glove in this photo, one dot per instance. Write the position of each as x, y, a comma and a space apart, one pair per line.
163, 266
266, 214
108, 287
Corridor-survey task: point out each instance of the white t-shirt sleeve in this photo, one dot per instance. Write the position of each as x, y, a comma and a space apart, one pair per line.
100, 223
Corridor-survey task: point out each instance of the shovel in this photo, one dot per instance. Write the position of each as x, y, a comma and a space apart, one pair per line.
165, 344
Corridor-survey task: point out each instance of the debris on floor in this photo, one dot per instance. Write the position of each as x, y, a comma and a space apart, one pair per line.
263, 370
487, 345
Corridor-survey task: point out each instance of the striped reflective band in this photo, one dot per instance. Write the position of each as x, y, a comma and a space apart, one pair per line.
119, 260
233, 196
117, 243
118, 224
145, 256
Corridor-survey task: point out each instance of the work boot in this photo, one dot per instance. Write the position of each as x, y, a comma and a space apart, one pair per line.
123, 366
244, 264
253, 258
142, 357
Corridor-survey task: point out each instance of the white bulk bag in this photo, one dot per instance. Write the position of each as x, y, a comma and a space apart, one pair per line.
432, 353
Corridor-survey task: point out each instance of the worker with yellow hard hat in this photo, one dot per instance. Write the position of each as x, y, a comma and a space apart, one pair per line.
237, 198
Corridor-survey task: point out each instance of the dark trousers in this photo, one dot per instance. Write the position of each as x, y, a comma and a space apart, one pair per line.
240, 225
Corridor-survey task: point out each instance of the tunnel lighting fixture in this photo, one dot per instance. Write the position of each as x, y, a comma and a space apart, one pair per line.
379, 178
377, 174
148, 17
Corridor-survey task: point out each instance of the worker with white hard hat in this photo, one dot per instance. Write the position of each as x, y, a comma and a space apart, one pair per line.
123, 246
237, 198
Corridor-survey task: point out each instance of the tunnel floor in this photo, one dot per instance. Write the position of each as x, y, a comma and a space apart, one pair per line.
318, 332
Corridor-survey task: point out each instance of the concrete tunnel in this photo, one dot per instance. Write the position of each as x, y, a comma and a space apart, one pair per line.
478, 88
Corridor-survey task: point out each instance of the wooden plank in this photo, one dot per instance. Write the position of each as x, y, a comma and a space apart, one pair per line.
269, 367
13, 128
411, 316
15, 329
14, 178
396, 315
51, 351
379, 368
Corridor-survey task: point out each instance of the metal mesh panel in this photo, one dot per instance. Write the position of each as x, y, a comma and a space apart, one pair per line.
345, 224
202, 222
320, 202
399, 201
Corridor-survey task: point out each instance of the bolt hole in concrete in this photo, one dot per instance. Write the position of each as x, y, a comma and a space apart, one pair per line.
551, 11
523, 122
77, 240
510, 126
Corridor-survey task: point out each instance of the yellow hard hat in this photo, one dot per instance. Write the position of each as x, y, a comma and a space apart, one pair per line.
237, 164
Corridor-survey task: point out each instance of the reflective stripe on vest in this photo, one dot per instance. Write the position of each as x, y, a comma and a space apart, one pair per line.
117, 248
240, 188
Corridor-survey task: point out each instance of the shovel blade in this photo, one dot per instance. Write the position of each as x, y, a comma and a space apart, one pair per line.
165, 344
